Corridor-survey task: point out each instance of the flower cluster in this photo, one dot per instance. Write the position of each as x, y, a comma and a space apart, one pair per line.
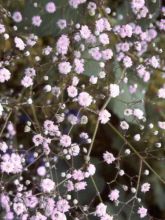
76, 133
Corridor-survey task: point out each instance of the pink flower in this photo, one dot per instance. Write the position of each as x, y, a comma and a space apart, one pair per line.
127, 61
64, 67
84, 99
104, 116
38, 139
78, 175
145, 187
17, 16
138, 4
142, 212
161, 124
80, 185
27, 81
63, 44
19, 208
79, 65
47, 185
36, 20
65, 140
58, 215
50, 7
107, 54
4, 75
72, 91
104, 39
85, 32
114, 195
100, 210
108, 157
62, 205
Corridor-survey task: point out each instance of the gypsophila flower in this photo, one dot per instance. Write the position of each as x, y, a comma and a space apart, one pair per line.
161, 124
114, 90
72, 91
104, 116
19, 43
47, 185
100, 210
65, 140
84, 99
62, 24
64, 67
124, 125
108, 157
36, 20
50, 7
85, 32
38, 139
114, 195
4, 75
142, 212
2, 29
145, 187
17, 16
63, 44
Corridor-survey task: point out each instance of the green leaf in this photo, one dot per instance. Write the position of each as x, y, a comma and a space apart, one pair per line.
126, 99
49, 21
126, 15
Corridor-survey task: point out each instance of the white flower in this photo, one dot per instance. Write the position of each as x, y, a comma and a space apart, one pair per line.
64, 67
65, 140
104, 116
124, 125
145, 187
1, 109
161, 93
108, 157
84, 99
138, 113
47, 185
19, 43
114, 90
161, 124
72, 91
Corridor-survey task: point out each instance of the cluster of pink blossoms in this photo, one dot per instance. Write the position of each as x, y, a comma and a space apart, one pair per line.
47, 158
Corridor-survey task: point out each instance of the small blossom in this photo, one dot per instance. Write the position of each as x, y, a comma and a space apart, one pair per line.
65, 140
64, 67
47, 185
114, 195
84, 99
104, 116
85, 32
108, 157
36, 20
72, 91
142, 212
145, 187
100, 210
114, 90
50, 7
4, 75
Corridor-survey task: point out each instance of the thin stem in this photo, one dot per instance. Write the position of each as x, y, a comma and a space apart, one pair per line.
137, 188
136, 152
95, 186
6, 121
